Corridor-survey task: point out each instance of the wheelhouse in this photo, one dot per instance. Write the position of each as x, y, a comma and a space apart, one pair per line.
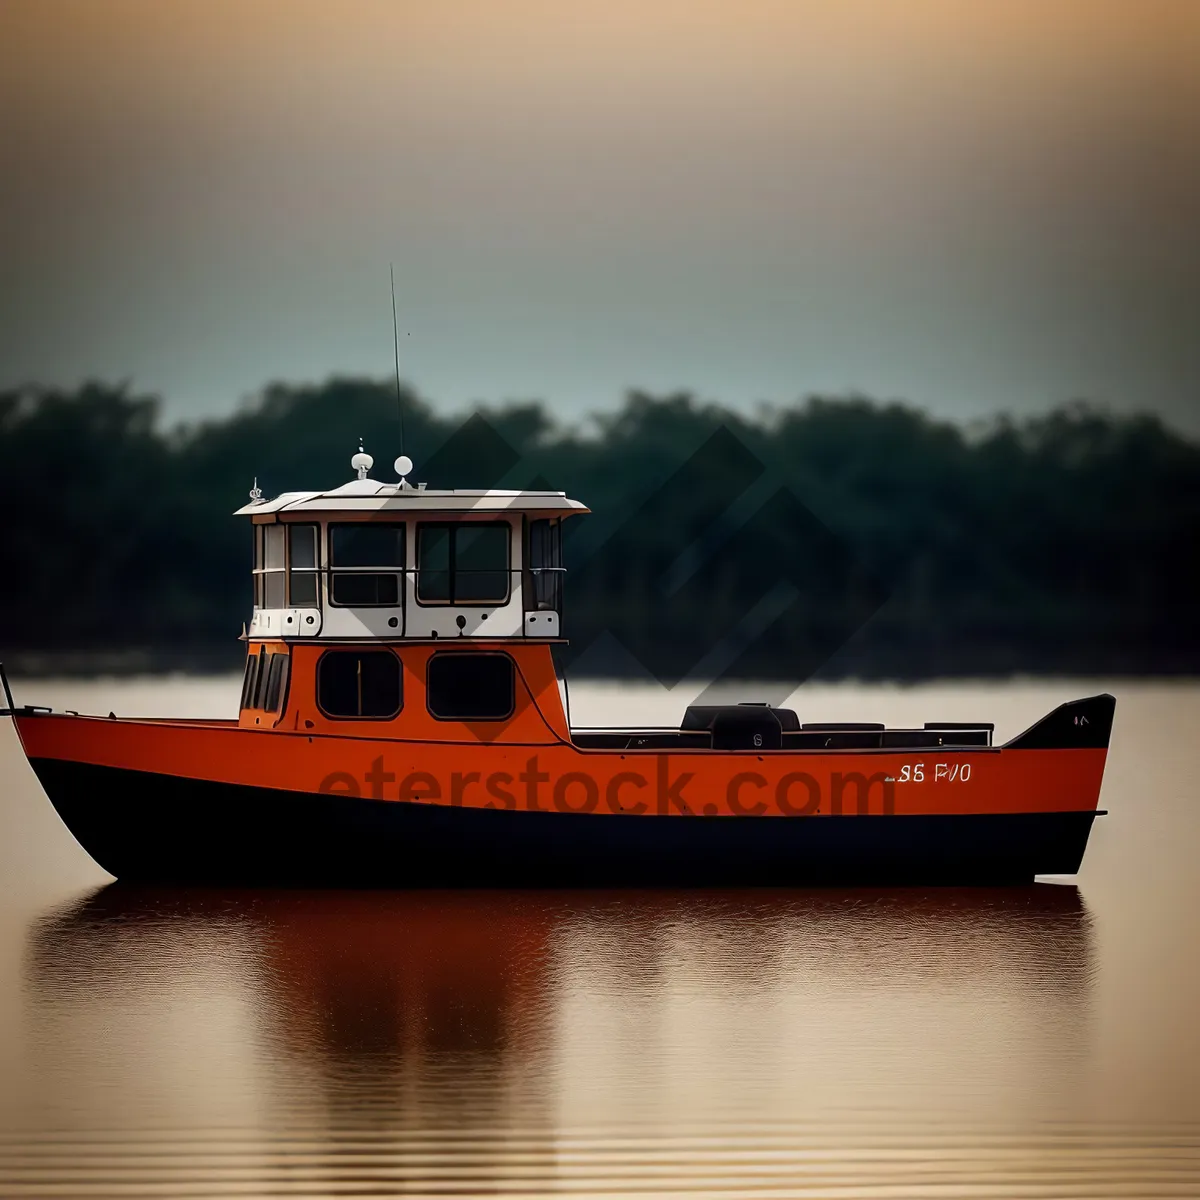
367, 570
392, 561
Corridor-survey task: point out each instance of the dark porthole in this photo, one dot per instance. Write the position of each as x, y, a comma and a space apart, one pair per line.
359, 684
470, 687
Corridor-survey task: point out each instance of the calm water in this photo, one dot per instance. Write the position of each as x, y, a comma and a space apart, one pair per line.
925, 1043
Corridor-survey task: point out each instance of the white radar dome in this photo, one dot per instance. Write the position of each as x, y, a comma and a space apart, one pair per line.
403, 465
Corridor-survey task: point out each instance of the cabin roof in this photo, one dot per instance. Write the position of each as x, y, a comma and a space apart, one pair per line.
369, 495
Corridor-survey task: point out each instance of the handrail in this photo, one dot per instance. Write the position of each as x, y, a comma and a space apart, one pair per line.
393, 570
414, 575
547, 590
414, 572
10, 706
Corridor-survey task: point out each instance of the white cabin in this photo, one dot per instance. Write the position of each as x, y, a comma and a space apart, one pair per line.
393, 561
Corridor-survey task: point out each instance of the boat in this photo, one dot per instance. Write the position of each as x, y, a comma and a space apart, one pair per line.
402, 723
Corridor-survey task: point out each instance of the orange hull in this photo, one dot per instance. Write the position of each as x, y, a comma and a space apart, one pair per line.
424, 783
556, 776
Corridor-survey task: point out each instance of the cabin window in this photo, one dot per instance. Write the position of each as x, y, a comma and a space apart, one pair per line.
367, 561
359, 684
546, 565
273, 589
464, 563
470, 687
273, 547
258, 583
302, 566
276, 681
269, 563
260, 680
250, 681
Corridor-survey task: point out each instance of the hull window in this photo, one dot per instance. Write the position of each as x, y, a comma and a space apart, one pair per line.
470, 687
465, 563
359, 684
367, 560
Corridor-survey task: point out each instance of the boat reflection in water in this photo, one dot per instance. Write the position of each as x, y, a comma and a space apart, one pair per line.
533, 1040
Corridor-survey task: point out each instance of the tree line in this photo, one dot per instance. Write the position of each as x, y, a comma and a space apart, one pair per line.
834, 536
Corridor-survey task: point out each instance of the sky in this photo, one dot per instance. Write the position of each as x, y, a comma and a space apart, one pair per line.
971, 205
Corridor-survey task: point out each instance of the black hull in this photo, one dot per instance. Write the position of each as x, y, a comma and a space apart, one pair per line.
140, 826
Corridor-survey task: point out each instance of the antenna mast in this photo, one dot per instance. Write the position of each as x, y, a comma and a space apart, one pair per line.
396, 348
